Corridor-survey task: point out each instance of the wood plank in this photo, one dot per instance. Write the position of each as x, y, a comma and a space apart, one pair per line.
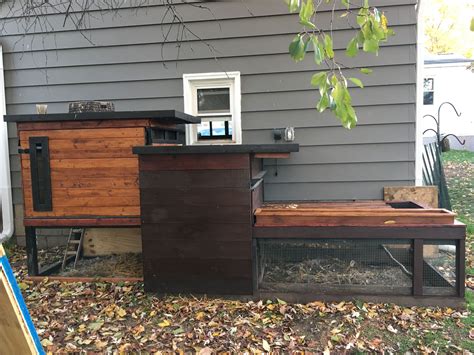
108, 241
196, 268
454, 231
192, 196
92, 124
185, 249
91, 143
196, 178
272, 155
352, 220
131, 132
14, 335
78, 164
193, 232
86, 211
86, 182
195, 162
83, 222
40, 125
60, 173
60, 202
192, 214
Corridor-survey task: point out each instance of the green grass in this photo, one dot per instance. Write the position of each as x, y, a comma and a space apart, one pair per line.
459, 156
459, 169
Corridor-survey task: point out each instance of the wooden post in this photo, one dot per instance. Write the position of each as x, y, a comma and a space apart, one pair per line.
418, 267
460, 266
31, 251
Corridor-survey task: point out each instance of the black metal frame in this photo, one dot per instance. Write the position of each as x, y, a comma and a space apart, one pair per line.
40, 175
416, 234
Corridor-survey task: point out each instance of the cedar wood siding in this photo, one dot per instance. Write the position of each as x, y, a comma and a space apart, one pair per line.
121, 58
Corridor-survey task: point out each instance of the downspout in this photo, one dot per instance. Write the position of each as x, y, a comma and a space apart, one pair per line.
419, 94
5, 181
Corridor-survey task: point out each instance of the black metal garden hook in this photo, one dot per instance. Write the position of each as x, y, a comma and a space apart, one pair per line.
440, 139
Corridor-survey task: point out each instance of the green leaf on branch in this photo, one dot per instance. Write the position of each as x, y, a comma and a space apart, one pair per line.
319, 78
352, 47
306, 12
293, 5
371, 45
328, 46
346, 3
357, 82
472, 24
297, 48
323, 103
318, 50
366, 70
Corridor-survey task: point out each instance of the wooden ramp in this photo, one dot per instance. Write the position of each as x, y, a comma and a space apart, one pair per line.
17, 332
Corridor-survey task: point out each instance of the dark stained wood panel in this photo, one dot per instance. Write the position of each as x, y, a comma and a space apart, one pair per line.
196, 215
195, 162
196, 178
188, 196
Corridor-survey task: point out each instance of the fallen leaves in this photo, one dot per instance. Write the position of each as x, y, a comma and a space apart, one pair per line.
104, 317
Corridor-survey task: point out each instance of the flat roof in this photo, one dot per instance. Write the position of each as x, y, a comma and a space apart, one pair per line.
168, 116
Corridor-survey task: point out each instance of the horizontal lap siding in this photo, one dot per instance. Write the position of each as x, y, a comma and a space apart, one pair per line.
124, 64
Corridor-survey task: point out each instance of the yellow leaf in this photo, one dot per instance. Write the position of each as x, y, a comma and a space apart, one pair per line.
164, 324
46, 342
100, 344
266, 346
200, 315
121, 312
152, 313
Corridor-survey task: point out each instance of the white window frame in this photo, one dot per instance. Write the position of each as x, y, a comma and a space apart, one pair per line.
193, 82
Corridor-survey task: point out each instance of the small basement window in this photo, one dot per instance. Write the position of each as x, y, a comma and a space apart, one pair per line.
428, 91
215, 98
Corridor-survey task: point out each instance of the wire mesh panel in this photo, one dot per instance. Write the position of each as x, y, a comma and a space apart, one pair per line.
381, 266
439, 267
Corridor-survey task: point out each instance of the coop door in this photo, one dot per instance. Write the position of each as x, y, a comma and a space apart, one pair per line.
40, 174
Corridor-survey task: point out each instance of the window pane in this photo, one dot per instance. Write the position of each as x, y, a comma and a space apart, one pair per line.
428, 98
204, 129
218, 128
213, 100
428, 84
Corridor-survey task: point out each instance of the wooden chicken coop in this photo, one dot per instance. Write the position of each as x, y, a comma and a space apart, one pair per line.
78, 169
206, 225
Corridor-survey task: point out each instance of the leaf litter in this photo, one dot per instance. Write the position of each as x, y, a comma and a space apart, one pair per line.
120, 317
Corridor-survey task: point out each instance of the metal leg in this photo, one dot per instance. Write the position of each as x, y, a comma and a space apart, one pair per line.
31, 251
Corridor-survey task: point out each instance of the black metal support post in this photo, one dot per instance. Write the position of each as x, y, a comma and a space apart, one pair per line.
31, 251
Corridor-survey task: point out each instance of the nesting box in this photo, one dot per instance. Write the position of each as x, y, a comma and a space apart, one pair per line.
79, 169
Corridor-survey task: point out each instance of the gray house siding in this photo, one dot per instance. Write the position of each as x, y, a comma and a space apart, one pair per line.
123, 57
